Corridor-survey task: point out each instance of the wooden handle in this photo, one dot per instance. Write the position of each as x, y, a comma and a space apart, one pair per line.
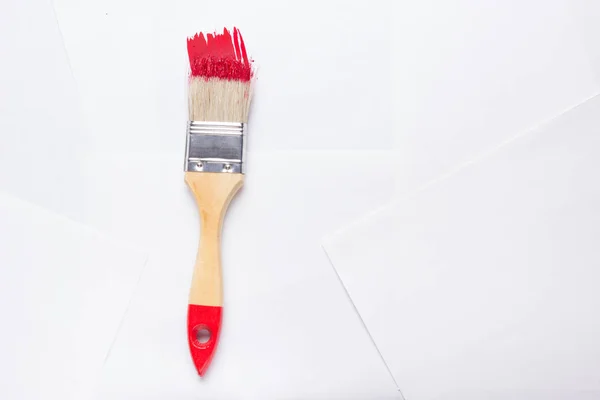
213, 193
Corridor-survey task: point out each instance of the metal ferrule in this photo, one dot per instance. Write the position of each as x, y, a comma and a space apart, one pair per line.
215, 147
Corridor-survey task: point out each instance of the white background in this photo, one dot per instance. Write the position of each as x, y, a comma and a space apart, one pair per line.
354, 102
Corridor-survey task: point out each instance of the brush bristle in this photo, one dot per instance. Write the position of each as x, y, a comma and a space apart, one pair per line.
217, 99
220, 79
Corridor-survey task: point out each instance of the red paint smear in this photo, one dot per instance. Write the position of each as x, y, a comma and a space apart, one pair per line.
219, 56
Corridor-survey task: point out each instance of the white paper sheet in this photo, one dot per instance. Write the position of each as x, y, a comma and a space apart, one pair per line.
484, 285
587, 13
289, 330
41, 136
63, 293
470, 74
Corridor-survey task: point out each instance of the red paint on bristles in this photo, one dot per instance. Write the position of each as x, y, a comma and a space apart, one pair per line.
219, 56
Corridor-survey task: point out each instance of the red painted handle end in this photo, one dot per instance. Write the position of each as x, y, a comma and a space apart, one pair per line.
204, 325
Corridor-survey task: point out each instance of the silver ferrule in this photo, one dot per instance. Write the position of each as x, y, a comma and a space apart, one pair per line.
215, 147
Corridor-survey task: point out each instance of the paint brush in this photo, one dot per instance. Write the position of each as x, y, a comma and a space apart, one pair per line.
219, 95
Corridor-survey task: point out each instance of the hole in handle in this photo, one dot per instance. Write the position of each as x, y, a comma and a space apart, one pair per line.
202, 335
